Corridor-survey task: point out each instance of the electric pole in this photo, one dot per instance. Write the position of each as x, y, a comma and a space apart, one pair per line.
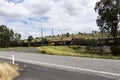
41, 36
52, 35
92, 34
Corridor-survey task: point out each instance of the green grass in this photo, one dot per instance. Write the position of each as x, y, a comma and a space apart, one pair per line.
57, 50
80, 51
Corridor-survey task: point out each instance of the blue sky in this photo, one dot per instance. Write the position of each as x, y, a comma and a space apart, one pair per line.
28, 17
15, 1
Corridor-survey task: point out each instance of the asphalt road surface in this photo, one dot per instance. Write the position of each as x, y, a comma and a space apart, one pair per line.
50, 67
37, 72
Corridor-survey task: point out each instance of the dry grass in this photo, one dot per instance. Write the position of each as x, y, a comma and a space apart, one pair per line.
85, 36
8, 71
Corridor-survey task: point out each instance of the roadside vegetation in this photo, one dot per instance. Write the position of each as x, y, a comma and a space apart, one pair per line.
79, 51
8, 71
57, 50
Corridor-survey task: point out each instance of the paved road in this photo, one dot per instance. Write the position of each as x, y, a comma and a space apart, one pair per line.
37, 72
24, 50
101, 67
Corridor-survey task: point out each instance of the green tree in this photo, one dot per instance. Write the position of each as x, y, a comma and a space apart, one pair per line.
16, 39
68, 34
6, 36
17, 36
108, 16
30, 38
11, 35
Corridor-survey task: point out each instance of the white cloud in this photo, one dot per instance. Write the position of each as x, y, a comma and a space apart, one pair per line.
76, 18
74, 7
38, 7
12, 10
64, 16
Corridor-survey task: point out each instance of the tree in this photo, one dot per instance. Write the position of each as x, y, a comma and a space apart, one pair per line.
79, 33
44, 41
6, 36
30, 38
12, 35
67, 34
17, 36
108, 16
16, 39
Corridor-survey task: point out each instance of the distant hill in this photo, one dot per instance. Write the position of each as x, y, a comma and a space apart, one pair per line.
68, 36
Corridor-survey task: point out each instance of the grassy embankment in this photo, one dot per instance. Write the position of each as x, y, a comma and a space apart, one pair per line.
8, 71
80, 51
84, 36
64, 37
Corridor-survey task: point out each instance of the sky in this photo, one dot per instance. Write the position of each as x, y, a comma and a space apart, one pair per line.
28, 17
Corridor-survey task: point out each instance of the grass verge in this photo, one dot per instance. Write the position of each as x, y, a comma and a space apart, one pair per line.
57, 50
72, 51
8, 71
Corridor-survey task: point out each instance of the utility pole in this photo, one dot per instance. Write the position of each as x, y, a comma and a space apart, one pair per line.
52, 35
41, 36
72, 35
92, 34
41, 33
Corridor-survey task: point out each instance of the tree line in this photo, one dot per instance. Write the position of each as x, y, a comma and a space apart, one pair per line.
8, 37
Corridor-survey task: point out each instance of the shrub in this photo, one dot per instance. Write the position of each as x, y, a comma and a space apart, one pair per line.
75, 46
115, 50
92, 42
79, 41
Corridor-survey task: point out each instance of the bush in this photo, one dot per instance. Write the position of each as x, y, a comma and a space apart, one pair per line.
79, 41
75, 47
115, 50
92, 42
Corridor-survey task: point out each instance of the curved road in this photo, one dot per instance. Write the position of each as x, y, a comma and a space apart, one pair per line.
50, 67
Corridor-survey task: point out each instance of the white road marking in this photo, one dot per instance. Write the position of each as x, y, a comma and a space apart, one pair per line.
61, 66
